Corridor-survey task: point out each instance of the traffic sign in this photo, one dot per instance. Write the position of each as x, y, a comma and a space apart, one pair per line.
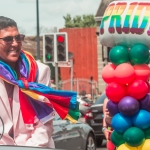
64, 64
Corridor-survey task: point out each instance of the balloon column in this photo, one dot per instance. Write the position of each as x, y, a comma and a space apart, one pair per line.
129, 102
125, 27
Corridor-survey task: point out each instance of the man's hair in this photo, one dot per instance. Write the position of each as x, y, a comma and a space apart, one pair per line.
7, 22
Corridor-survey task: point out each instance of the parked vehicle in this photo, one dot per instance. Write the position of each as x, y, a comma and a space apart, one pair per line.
12, 147
84, 104
94, 117
69, 136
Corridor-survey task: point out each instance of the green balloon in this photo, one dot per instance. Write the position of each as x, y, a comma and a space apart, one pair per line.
147, 133
119, 55
134, 136
117, 138
147, 62
139, 54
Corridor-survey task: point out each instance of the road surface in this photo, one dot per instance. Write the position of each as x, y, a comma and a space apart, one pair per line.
103, 147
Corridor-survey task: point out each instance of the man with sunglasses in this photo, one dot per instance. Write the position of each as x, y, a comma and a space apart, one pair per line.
16, 131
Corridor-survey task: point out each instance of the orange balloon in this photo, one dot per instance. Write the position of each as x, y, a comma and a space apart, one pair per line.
124, 73
142, 72
108, 73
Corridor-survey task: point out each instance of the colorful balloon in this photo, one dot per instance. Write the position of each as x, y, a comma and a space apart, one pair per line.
126, 147
147, 133
112, 108
110, 145
117, 138
108, 73
134, 136
128, 106
119, 54
145, 103
137, 89
124, 73
115, 91
120, 123
139, 54
142, 72
145, 145
141, 119
147, 62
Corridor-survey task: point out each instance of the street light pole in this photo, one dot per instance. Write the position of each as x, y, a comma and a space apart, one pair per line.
38, 38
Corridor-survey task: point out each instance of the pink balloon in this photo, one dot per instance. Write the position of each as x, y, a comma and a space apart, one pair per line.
142, 72
124, 73
137, 89
115, 91
108, 73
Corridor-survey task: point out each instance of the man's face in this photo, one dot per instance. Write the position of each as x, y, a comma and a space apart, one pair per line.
9, 52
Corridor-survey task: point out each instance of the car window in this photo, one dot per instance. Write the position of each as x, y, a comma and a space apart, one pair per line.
101, 98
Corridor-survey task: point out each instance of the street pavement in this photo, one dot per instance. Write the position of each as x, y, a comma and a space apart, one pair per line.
103, 147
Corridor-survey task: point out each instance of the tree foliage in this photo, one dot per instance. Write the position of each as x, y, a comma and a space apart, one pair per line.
79, 21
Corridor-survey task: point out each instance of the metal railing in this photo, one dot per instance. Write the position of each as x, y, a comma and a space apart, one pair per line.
81, 86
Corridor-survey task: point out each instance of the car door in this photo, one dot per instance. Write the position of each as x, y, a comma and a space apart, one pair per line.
58, 133
73, 136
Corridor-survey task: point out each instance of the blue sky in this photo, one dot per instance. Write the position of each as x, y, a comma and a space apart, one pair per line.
51, 12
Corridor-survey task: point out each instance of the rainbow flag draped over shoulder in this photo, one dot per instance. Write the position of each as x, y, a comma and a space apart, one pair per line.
37, 100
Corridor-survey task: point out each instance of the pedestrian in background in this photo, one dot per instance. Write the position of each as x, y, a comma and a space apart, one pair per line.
107, 130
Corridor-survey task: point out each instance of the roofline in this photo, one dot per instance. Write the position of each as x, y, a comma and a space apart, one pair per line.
98, 7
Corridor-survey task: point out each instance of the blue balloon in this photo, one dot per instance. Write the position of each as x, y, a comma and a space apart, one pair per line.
141, 119
120, 123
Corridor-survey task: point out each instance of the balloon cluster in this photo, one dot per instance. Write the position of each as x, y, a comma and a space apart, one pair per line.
129, 102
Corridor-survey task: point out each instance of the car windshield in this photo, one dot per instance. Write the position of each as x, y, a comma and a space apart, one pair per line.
87, 100
100, 99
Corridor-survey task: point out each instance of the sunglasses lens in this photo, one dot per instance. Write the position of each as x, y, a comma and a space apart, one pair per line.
19, 38
8, 39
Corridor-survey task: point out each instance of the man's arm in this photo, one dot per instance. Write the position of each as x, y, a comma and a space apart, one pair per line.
42, 134
44, 74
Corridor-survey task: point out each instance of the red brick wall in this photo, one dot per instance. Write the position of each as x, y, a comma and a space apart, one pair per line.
83, 43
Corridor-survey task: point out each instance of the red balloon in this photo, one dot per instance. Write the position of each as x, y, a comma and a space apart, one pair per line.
148, 86
142, 72
137, 89
110, 145
124, 73
108, 73
115, 91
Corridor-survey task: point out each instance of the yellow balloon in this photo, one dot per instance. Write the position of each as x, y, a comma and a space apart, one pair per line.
126, 147
145, 145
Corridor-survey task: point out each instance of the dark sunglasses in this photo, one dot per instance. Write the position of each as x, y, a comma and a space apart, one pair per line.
9, 39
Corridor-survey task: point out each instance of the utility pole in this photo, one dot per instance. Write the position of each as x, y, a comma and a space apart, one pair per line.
56, 66
71, 75
38, 38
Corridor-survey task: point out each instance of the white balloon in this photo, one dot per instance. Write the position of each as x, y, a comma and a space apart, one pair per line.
126, 23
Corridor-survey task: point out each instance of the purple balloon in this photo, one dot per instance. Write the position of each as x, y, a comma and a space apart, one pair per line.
145, 103
112, 108
128, 106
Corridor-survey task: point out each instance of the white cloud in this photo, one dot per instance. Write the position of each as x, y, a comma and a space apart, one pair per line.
51, 12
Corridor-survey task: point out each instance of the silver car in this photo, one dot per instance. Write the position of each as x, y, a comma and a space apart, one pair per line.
69, 136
